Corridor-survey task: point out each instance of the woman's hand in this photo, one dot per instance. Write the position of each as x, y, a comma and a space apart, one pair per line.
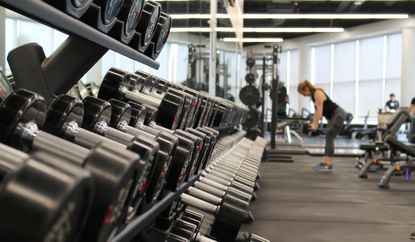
313, 127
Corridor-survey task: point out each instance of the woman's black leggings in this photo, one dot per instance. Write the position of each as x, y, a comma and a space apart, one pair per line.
333, 128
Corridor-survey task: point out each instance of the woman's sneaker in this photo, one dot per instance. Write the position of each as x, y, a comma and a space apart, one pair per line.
322, 167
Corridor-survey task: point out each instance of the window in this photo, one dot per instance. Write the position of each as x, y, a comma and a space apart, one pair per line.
344, 78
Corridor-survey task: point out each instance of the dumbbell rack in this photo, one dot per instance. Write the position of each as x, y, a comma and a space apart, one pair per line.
48, 15
84, 48
144, 220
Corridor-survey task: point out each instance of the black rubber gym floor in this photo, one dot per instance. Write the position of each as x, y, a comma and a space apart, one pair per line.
296, 204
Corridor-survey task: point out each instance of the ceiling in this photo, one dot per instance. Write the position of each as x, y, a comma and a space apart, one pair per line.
286, 7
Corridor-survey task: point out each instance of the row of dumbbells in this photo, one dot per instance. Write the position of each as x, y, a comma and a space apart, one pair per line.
172, 106
188, 228
232, 183
112, 170
137, 23
223, 193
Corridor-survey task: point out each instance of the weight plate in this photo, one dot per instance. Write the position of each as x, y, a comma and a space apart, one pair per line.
250, 62
249, 95
110, 10
250, 78
148, 22
130, 14
251, 118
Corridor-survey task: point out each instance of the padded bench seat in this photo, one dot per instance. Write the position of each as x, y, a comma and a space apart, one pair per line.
374, 146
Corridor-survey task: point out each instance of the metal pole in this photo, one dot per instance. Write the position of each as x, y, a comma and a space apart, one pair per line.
3, 39
276, 49
263, 122
212, 45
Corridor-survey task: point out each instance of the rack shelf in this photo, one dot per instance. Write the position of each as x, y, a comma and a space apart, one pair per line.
143, 220
43, 12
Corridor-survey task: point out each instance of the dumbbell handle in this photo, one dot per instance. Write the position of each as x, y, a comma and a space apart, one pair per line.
85, 138
60, 147
201, 238
141, 98
119, 136
204, 195
199, 203
210, 189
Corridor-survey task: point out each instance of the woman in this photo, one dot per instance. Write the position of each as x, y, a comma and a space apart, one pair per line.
334, 114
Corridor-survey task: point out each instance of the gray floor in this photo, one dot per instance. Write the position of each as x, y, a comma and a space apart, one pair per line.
296, 204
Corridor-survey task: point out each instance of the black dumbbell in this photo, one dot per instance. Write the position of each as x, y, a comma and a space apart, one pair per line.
146, 27
156, 87
42, 200
188, 231
161, 34
197, 148
228, 218
102, 14
129, 14
138, 114
120, 118
64, 118
120, 85
97, 116
197, 219
113, 171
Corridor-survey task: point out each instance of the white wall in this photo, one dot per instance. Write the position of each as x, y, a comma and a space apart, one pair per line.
386, 68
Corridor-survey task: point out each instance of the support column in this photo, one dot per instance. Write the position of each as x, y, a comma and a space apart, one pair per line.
304, 73
212, 48
408, 66
3, 39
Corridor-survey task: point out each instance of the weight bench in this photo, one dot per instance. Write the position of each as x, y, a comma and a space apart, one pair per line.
406, 166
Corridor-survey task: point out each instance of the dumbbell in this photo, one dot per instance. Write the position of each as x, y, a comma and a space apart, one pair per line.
138, 114
197, 144
119, 85
113, 170
129, 15
161, 34
103, 14
146, 84
228, 218
64, 118
206, 142
187, 231
182, 157
56, 205
97, 116
156, 87
147, 26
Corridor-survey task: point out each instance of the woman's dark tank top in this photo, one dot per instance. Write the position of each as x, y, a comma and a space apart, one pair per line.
329, 107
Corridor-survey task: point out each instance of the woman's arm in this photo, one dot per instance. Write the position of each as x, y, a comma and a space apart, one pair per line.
319, 98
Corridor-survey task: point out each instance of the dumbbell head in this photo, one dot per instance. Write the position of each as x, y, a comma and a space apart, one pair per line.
161, 34
109, 9
120, 114
250, 78
114, 82
151, 114
64, 109
130, 14
148, 22
138, 114
58, 195
184, 229
21, 106
250, 62
96, 112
